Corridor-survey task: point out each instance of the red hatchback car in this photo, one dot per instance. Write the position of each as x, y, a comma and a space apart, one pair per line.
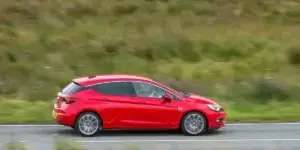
91, 104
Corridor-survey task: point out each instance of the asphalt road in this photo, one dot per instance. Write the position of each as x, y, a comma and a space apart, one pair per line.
232, 137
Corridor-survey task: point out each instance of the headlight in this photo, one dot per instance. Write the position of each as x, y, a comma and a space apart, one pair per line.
215, 107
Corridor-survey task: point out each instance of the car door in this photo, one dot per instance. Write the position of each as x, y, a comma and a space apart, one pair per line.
154, 111
117, 104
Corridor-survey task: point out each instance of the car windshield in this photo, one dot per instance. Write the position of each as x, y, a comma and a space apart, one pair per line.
185, 94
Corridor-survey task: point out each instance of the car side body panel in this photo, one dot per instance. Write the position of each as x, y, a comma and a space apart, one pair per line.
133, 112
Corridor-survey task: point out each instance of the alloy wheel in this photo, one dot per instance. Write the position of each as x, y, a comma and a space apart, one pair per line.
88, 124
194, 124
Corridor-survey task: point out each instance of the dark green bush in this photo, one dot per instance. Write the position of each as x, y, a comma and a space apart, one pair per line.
294, 55
260, 90
124, 9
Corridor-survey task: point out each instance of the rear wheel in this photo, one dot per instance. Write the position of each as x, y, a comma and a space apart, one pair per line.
88, 124
194, 123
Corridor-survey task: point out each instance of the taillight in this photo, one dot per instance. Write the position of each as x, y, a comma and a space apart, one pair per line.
66, 100
70, 100
59, 101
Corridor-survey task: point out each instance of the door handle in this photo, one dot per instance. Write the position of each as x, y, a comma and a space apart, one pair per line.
100, 99
104, 99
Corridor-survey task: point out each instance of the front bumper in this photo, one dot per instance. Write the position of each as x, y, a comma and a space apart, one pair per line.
216, 120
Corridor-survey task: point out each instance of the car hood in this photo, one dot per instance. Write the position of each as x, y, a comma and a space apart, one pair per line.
201, 99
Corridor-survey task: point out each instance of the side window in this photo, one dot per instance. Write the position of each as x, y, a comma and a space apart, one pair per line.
72, 88
174, 97
148, 90
115, 88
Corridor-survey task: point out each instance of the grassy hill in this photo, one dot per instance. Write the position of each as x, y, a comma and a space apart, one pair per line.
240, 52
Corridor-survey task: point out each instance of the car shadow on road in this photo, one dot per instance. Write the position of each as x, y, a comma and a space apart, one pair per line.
118, 133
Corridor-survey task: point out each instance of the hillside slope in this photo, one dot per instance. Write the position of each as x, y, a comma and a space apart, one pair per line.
231, 49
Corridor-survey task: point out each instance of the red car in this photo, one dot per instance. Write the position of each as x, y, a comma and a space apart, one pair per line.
94, 103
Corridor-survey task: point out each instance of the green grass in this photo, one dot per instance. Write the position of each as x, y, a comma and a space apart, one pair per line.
59, 144
237, 50
20, 111
277, 112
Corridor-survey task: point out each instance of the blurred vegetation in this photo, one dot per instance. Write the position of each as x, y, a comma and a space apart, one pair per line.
234, 50
64, 144
61, 144
15, 145
20, 111
68, 144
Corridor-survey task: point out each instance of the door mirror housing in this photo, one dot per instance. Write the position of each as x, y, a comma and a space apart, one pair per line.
167, 97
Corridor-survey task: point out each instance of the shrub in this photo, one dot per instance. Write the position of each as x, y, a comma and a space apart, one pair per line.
294, 55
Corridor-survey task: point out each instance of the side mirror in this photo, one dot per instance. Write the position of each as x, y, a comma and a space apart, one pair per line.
167, 97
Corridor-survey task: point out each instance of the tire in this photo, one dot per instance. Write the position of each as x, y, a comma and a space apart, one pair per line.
185, 122
213, 130
94, 123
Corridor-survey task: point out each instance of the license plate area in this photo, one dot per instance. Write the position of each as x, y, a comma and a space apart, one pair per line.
54, 114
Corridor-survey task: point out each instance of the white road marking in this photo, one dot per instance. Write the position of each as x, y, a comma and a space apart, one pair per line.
141, 141
227, 124
249, 124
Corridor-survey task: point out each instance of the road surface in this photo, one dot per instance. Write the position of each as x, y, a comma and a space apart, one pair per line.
285, 136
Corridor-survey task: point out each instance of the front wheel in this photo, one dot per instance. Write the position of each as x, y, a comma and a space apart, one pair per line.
194, 123
88, 124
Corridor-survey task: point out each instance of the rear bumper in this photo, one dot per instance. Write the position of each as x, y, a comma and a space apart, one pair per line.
216, 120
62, 117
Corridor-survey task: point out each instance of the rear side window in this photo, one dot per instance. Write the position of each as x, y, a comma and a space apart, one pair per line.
115, 88
72, 88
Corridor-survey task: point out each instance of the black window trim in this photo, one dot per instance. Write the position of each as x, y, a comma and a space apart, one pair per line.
178, 98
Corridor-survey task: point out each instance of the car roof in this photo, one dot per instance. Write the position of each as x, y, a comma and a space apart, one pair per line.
94, 79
